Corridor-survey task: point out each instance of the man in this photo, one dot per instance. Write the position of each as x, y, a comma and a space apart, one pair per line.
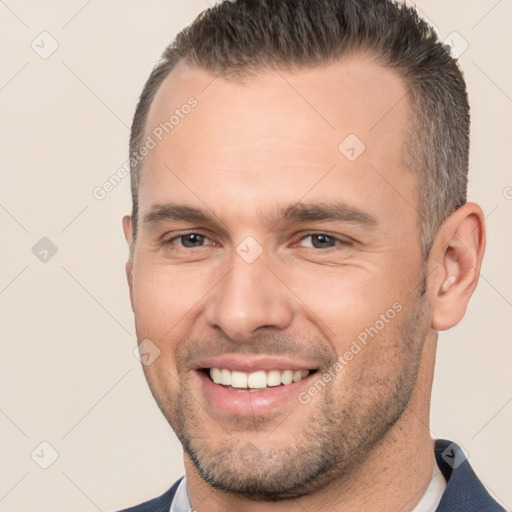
299, 235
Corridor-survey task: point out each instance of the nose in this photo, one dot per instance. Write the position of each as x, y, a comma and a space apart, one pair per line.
249, 297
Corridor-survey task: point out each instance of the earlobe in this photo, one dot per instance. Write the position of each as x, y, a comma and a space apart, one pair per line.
457, 253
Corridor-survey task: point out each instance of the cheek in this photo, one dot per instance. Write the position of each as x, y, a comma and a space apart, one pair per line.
163, 301
164, 298
347, 302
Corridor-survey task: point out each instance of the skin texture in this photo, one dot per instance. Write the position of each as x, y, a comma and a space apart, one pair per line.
246, 150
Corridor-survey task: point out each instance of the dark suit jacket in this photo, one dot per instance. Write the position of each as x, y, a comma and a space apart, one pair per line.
464, 492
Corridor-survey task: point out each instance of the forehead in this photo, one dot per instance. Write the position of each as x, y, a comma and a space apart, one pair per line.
355, 93
276, 135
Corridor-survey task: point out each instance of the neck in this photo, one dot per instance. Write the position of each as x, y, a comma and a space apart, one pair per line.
393, 477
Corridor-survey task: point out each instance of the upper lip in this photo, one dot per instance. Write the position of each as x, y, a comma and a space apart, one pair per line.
248, 364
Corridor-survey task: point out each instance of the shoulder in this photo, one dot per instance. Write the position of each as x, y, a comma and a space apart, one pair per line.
464, 491
160, 504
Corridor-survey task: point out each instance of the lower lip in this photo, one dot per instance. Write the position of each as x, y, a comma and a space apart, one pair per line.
250, 403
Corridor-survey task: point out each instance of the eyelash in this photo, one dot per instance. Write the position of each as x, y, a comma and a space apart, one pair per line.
181, 235
338, 241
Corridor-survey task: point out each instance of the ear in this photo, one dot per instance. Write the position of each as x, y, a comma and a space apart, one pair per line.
454, 265
128, 230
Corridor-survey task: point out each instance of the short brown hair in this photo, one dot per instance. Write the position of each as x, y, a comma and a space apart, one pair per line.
240, 37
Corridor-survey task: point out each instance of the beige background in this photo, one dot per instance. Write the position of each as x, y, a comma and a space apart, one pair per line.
68, 374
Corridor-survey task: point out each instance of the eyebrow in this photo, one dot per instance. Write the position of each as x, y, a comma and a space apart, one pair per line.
299, 212
159, 213
341, 212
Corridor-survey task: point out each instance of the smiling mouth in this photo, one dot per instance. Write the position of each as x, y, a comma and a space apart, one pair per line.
257, 380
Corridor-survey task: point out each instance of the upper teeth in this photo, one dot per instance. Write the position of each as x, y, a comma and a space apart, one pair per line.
258, 379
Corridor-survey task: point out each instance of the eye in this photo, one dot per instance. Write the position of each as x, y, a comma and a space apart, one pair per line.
320, 241
188, 240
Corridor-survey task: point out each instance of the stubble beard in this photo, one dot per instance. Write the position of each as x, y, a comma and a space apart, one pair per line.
342, 426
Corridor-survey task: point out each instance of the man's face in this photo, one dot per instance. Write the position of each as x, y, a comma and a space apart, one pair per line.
270, 252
